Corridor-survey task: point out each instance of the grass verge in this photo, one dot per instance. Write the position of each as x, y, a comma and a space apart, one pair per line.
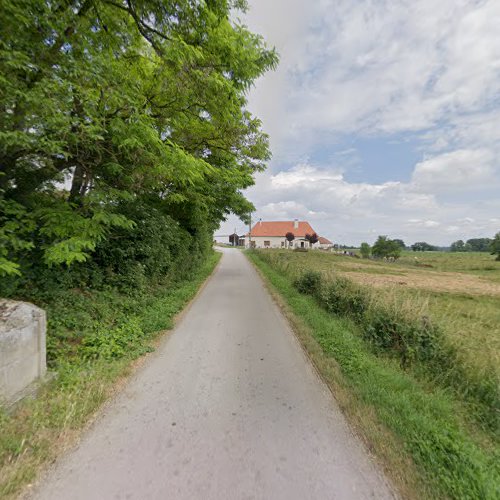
415, 429
91, 364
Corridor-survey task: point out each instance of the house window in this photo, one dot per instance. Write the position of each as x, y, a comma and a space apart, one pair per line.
282, 244
267, 243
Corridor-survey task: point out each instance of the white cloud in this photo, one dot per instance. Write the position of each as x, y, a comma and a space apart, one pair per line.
458, 170
364, 68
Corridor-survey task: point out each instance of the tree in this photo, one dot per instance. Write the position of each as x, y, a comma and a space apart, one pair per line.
365, 250
479, 244
458, 246
422, 246
401, 243
312, 238
125, 101
386, 248
290, 237
495, 246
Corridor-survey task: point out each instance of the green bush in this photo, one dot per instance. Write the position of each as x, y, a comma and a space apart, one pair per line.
309, 282
398, 330
410, 337
113, 343
342, 297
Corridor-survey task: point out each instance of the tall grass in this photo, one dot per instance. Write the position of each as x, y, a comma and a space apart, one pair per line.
400, 325
425, 422
94, 339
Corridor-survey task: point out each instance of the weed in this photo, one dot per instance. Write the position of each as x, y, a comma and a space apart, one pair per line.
93, 336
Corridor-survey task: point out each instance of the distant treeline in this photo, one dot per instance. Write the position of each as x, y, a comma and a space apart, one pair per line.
471, 245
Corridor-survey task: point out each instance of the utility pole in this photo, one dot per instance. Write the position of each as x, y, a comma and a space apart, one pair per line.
250, 231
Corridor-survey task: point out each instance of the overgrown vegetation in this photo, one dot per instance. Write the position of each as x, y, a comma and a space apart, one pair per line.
94, 338
106, 104
403, 325
402, 329
124, 142
453, 457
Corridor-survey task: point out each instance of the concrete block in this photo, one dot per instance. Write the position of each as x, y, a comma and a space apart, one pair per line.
22, 347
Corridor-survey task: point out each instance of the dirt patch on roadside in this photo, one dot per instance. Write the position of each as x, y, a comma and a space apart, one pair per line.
435, 281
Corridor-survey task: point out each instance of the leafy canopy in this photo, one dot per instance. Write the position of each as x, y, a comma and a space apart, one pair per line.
108, 102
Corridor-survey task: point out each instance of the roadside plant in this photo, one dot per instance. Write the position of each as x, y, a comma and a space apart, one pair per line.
365, 250
308, 283
495, 246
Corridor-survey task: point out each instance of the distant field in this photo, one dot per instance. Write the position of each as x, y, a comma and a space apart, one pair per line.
460, 291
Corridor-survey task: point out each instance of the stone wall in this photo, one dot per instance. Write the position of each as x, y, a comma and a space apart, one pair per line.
22, 348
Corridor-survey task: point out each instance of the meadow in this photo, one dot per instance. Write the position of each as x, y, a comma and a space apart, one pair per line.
411, 350
459, 291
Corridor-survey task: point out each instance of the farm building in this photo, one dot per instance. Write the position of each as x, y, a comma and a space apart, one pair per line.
272, 234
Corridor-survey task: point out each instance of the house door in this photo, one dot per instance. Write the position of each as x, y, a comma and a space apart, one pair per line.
301, 244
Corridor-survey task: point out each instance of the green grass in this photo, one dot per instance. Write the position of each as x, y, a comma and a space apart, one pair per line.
94, 338
471, 321
418, 429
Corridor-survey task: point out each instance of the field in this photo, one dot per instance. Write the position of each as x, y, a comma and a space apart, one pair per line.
410, 350
460, 291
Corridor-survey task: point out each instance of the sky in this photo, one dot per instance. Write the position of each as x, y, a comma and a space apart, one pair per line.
383, 117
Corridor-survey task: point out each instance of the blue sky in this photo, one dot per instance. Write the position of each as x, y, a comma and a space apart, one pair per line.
383, 118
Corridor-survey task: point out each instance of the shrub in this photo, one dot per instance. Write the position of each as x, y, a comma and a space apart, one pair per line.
113, 343
342, 297
309, 282
412, 338
365, 250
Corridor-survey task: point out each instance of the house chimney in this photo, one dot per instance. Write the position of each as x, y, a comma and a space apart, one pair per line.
296, 223
260, 222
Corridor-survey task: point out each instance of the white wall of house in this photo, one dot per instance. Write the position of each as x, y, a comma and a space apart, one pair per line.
323, 246
275, 242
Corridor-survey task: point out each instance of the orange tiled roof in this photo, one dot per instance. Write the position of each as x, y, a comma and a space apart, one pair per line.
280, 228
324, 241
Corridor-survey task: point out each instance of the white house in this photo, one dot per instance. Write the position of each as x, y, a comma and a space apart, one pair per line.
272, 234
323, 243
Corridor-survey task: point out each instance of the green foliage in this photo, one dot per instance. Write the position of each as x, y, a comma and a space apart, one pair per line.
101, 106
309, 282
478, 244
16, 224
401, 243
386, 248
399, 327
92, 337
422, 246
365, 250
105, 343
458, 246
495, 246
344, 298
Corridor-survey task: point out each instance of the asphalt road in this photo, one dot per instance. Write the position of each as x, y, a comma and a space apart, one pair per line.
227, 408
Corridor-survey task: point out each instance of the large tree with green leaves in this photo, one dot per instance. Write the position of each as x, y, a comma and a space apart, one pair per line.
111, 102
386, 248
495, 246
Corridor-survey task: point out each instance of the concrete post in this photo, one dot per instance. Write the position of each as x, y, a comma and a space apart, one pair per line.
22, 348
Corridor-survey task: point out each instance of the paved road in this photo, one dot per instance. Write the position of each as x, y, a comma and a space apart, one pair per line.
227, 408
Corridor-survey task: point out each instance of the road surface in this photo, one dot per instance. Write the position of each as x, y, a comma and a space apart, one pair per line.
227, 408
